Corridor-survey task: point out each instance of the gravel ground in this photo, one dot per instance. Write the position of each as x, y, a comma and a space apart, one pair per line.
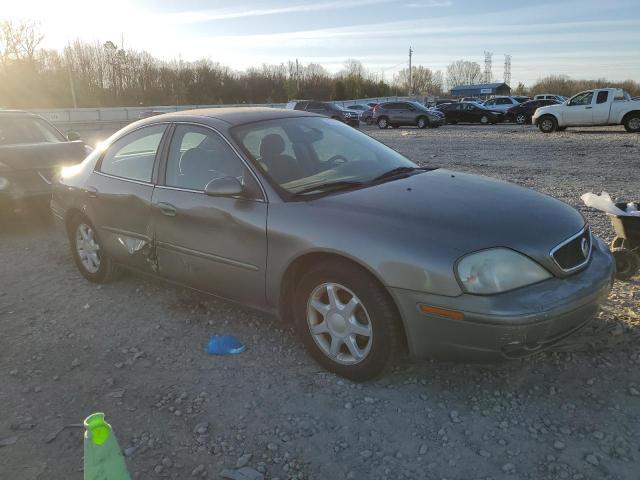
135, 349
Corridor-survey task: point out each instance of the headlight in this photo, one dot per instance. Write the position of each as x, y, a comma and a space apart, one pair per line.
498, 270
4, 183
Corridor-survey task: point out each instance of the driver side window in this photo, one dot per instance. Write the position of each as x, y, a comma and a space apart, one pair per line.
198, 155
582, 99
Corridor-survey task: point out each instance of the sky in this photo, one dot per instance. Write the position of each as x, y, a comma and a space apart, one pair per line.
581, 39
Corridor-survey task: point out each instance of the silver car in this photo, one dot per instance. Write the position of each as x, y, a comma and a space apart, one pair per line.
304, 217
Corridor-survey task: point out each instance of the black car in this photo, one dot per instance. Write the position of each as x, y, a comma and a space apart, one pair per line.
469, 112
327, 109
522, 113
31, 152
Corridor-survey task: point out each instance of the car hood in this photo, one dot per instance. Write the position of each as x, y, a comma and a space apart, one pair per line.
41, 155
548, 109
460, 213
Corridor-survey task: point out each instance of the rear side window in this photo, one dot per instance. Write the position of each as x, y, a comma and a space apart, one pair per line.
602, 97
133, 155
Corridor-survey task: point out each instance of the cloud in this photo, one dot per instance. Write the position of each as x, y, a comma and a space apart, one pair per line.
198, 16
430, 4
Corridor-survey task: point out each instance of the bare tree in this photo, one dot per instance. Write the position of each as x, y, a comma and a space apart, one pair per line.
463, 72
425, 80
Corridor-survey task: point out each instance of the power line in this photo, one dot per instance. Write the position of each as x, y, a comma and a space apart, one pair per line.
488, 76
507, 69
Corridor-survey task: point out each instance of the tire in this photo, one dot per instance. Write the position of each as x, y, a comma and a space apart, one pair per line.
521, 118
422, 122
383, 122
627, 263
484, 119
369, 121
374, 313
104, 270
547, 124
632, 123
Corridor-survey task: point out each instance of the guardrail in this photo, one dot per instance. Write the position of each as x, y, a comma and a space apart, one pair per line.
68, 118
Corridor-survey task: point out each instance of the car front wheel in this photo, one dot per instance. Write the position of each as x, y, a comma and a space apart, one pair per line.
346, 319
484, 119
88, 252
521, 118
383, 122
423, 122
547, 124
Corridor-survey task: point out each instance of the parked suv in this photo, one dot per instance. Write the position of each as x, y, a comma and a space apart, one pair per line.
397, 114
502, 104
550, 96
328, 109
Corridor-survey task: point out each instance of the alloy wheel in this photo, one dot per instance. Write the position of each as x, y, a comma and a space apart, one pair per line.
521, 119
88, 248
634, 123
484, 119
546, 125
339, 324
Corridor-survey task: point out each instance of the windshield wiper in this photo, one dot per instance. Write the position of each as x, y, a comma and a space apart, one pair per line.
337, 185
393, 173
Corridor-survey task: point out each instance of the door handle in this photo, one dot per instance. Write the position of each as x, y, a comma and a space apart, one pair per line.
587, 108
167, 209
92, 192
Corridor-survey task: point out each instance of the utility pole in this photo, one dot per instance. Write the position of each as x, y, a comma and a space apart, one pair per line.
297, 78
410, 72
507, 69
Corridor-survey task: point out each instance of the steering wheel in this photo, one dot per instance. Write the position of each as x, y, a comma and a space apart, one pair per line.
337, 159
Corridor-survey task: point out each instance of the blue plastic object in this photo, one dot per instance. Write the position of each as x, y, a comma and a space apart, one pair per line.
225, 345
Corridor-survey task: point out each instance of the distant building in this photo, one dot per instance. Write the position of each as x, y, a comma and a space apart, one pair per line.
481, 89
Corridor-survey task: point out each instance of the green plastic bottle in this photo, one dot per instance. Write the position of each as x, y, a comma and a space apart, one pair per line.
103, 459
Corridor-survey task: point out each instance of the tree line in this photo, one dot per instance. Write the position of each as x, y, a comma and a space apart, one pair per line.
105, 75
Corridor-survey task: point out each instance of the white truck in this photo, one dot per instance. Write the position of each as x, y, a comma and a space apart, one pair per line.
598, 107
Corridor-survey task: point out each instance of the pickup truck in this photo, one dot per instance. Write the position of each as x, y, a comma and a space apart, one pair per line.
31, 152
602, 106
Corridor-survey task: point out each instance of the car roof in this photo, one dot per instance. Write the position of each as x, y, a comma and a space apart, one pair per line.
233, 115
17, 113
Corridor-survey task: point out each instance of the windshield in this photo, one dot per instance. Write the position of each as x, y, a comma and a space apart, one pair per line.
299, 153
17, 130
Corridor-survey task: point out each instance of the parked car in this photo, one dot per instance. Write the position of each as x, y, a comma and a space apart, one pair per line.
469, 112
358, 108
550, 96
31, 149
602, 106
367, 116
399, 114
471, 99
327, 109
501, 104
306, 218
522, 113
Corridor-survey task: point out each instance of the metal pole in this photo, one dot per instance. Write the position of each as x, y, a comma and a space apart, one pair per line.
410, 72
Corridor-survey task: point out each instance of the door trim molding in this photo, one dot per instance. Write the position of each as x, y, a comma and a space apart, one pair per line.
207, 256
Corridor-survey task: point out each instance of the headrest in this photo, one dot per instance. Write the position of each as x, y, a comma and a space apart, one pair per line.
271, 145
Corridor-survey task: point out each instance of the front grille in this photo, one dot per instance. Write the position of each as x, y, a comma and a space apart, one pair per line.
574, 252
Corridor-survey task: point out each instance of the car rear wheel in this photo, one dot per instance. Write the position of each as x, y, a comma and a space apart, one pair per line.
627, 263
346, 319
88, 252
632, 123
423, 122
547, 124
369, 121
383, 122
521, 118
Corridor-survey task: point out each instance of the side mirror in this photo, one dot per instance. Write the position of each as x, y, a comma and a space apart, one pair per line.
73, 136
224, 187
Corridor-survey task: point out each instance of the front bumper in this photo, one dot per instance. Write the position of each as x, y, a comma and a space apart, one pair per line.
508, 325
